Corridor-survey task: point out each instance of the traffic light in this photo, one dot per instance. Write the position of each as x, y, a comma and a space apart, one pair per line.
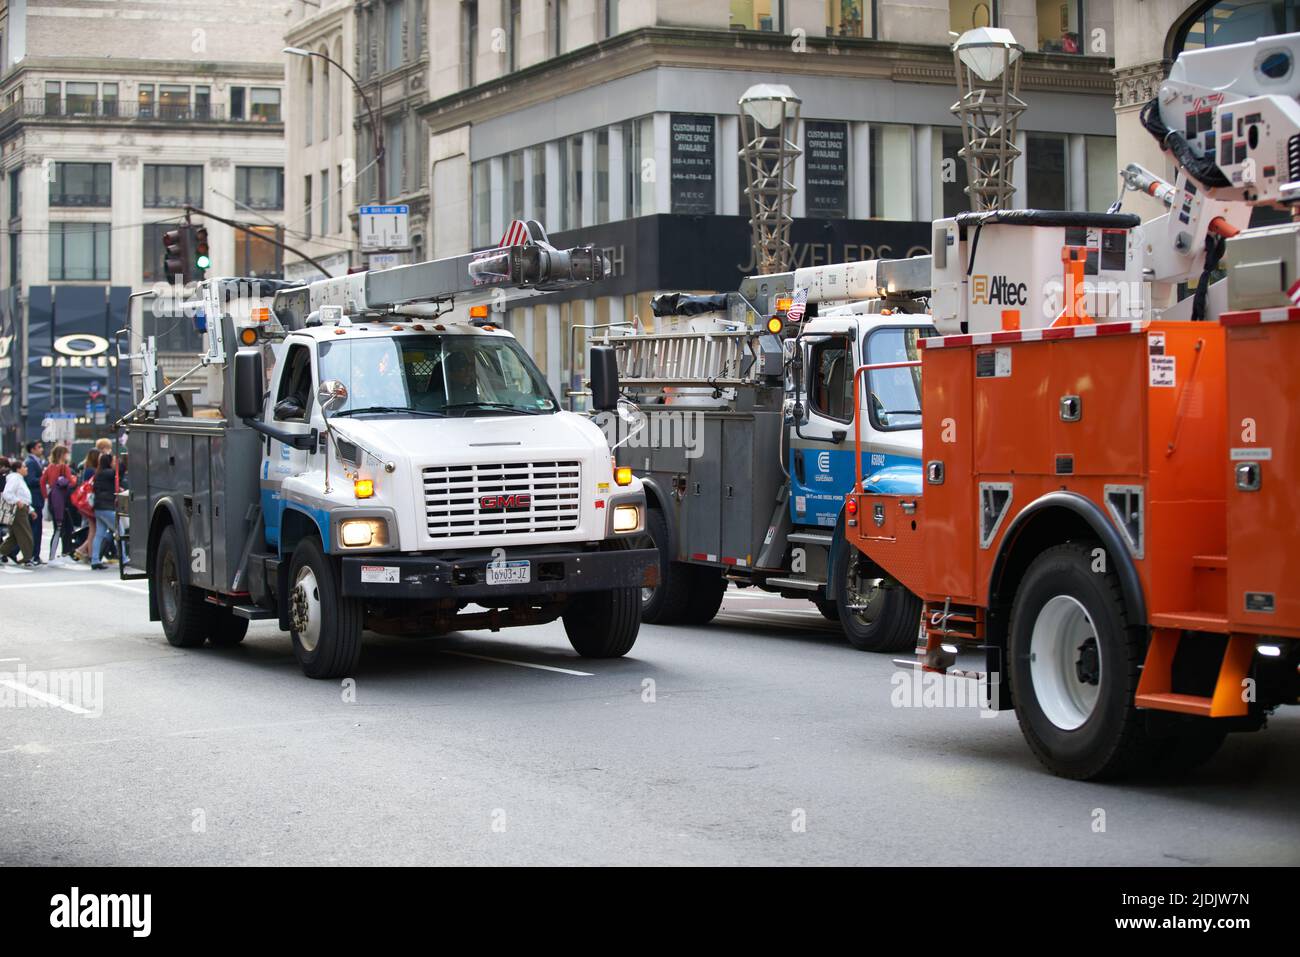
176, 253
202, 259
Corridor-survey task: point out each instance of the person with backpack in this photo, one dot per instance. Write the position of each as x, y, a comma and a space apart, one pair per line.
57, 486
104, 491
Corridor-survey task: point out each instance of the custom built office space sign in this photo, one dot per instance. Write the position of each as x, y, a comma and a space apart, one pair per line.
826, 170
693, 170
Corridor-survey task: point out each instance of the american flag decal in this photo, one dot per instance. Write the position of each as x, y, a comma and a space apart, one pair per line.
798, 306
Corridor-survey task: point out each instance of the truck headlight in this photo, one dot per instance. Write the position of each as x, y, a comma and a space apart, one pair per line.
627, 518
363, 532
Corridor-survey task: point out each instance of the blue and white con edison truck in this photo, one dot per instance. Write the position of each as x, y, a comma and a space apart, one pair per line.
383, 457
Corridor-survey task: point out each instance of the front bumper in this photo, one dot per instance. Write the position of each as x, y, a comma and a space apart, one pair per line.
552, 572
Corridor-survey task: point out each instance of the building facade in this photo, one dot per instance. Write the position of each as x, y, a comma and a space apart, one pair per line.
114, 118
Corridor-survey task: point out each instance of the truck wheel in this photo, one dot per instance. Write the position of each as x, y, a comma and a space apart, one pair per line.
875, 617
666, 602
705, 597
1074, 667
324, 625
227, 628
830, 611
185, 615
603, 624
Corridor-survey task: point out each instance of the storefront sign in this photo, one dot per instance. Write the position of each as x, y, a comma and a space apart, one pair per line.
692, 172
826, 170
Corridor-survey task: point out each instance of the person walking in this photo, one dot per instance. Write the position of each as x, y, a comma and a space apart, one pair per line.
88, 469
104, 491
16, 509
36, 463
57, 486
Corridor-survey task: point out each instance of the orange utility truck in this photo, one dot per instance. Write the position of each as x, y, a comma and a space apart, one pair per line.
1110, 512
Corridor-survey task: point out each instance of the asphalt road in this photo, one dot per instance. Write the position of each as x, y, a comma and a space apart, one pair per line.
760, 739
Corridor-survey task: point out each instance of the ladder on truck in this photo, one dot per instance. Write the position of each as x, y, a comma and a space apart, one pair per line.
686, 358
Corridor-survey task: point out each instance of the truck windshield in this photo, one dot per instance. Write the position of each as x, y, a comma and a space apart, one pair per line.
452, 375
894, 394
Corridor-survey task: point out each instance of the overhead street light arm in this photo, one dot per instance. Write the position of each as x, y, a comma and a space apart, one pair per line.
374, 120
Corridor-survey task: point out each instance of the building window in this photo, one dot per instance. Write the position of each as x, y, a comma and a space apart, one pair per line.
305, 232
515, 185
338, 205
82, 184
173, 102
601, 173
753, 15
559, 25
1103, 172
146, 102
510, 13
468, 41
109, 98
638, 168
257, 258
79, 251
949, 172
1045, 171
966, 15
609, 17
259, 187
264, 104
15, 195
203, 102
481, 187
891, 183
53, 98
571, 182
80, 99
237, 94
394, 24
1231, 21
394, 156
844, 18
309, 83
538, 154
166, 186
1059, 26
324, 201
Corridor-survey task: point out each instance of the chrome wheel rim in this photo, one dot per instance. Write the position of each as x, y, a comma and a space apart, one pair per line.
864, 596
304, 609
1065, 662
170, 591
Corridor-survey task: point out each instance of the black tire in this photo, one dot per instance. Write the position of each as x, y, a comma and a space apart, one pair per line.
603, 624
186, 617
227, 629
331, 646
828, 609
705, 597
1110, 739
894, 615
667, 602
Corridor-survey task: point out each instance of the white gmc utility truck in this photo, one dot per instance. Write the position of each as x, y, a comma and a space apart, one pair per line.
382, 456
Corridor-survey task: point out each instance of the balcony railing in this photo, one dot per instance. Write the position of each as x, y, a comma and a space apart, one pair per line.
70, 109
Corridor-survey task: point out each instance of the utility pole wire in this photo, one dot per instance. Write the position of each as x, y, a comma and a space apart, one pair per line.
253, 232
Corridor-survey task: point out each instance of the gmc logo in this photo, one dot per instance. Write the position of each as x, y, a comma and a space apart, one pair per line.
505, 503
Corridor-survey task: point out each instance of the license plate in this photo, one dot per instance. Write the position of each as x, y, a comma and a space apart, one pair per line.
509, 573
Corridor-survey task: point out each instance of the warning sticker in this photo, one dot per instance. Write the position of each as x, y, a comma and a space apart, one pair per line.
1155, 343
993, 363
1251, 455
381, 574
1164, 372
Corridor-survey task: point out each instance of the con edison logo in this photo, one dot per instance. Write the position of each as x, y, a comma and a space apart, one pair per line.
997, 291
103, 910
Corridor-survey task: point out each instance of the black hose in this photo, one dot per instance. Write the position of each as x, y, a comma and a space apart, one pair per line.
1214, 248
1200, 168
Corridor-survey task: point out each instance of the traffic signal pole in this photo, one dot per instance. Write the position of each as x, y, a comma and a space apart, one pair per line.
252, 232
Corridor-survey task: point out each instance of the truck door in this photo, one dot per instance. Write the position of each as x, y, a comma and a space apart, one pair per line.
821, 469
292, 399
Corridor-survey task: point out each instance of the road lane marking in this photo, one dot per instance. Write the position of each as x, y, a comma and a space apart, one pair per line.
74, 584
11, 659
519, 664
43, 696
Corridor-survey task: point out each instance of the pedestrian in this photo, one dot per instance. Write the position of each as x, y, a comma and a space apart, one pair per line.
16, 510
57, 485
104, 491
36, 463
87, 535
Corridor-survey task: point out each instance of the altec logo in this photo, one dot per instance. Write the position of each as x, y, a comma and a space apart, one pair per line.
997, 291
514, 502
103, 910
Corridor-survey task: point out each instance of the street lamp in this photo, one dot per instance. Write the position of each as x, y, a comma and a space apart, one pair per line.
769, 127
987, 61
374, 122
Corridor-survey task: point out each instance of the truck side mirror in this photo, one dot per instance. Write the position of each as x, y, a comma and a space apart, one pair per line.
331, 394
604, 378
249, 382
